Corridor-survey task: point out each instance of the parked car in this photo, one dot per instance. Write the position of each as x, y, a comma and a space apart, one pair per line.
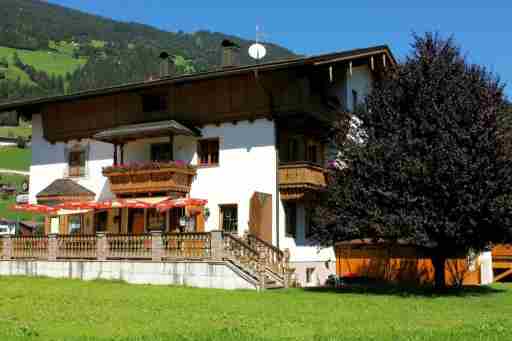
7, 227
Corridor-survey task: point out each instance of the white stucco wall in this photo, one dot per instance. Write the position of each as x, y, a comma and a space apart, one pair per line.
49, 163
247, 164
360, 81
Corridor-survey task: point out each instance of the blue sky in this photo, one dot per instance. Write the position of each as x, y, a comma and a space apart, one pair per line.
482, 28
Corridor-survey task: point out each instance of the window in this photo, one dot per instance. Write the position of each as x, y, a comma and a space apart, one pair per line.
208, 152
101, 221
290, 210
309, 275
309, 221
156, 220
75, 224
161, 152
355, 99
229, 218
293, 149
54, 225
76, 163
313, 149
154, 103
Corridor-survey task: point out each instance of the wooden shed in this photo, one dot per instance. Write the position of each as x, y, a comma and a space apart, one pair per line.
401, 263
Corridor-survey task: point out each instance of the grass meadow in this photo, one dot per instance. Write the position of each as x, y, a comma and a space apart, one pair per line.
72, 310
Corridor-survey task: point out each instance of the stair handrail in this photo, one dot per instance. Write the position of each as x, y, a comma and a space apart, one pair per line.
274, 258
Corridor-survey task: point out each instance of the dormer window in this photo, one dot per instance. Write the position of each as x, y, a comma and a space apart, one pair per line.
154, 103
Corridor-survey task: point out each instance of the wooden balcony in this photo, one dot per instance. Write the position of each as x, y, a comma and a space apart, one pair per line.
297, 179
155, 178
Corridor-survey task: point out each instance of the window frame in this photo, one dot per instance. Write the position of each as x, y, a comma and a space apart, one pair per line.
165, 145
77, 171
81, 224
222, 208
209, 154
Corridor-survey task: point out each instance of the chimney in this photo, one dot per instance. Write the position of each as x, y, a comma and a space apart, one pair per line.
230, 54
167, 67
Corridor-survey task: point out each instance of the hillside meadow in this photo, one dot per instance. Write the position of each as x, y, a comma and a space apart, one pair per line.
72, 310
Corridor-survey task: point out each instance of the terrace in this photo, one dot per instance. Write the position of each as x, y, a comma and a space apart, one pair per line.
258, 263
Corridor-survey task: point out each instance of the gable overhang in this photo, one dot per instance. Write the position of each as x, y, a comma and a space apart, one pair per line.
29, 107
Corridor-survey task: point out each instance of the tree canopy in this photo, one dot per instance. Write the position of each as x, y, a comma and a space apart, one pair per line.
428, 171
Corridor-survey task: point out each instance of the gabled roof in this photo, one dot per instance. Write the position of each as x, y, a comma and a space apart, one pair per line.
221, 72
65, 188
152, 129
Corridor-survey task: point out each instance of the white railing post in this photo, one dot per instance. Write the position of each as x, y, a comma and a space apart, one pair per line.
101, 246
217, 245
53, 246
7, 247
156, 246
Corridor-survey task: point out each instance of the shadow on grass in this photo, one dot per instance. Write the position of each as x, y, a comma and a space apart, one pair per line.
368, 287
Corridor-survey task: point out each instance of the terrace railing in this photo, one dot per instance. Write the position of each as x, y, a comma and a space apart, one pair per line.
186, 245
77, 246
29, 247
251, 255
129, 246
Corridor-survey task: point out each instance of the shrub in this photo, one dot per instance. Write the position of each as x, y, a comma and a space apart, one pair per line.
21, 142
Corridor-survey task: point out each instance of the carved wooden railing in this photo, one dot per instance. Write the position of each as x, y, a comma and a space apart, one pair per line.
76, 246
242, 253
29, 247
186, 245
129, 246
161, 177
270, 255
297, 178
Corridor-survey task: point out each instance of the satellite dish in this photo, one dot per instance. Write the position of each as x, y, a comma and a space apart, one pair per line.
257, 51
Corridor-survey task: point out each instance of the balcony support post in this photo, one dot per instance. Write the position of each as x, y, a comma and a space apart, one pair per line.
122, 153
115, 154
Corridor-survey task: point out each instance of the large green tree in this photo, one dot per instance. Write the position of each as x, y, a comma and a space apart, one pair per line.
421, 164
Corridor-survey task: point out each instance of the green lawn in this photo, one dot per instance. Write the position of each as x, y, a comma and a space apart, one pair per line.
15, 158
24, 129
52, 309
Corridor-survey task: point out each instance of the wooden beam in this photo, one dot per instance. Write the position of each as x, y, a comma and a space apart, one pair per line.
372, 63
384, 61
331, 74
115, 154
502, 265
503, 275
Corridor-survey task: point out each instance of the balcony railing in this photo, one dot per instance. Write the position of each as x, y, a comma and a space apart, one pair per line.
298, 178
150, 177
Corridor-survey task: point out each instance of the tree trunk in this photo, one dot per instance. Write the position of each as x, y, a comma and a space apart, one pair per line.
439, 261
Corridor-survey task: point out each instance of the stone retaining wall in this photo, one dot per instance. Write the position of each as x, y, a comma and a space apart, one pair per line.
218, 275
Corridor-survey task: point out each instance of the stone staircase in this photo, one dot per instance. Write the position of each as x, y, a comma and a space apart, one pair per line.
262, 261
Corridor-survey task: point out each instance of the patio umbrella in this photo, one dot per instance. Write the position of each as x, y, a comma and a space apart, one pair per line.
181, 202
33, 208
77, 205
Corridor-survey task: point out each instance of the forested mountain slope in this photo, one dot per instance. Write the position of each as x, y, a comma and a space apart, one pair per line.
47, 49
